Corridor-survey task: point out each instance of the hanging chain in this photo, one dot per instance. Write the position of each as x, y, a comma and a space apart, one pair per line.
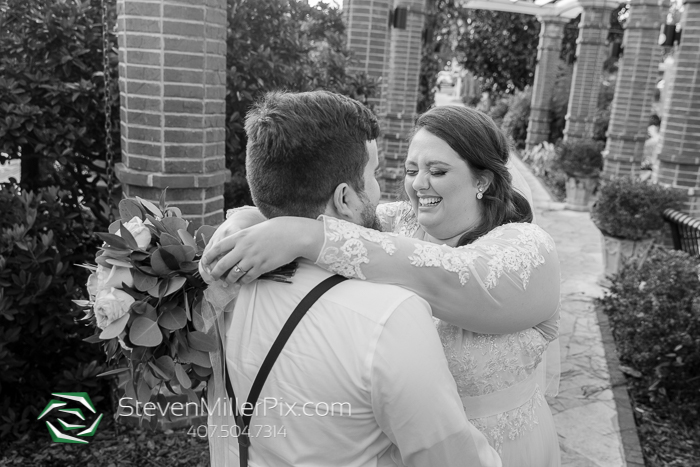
109, 162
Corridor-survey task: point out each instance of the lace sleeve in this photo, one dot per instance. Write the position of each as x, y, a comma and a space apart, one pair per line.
506, 281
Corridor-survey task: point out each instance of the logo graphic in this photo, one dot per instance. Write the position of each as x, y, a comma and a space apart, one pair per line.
59, 436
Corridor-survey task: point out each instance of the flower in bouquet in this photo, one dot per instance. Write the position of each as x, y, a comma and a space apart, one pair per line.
145, 300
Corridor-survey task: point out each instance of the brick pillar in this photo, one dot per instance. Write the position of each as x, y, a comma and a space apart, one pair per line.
399, 100
635, 87
679, 144
548, 51
591, 52
172, 81
367, 31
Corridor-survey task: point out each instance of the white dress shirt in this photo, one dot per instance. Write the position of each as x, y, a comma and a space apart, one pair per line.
363, 380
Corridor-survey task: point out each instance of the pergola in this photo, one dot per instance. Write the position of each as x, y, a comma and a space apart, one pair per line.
172, 76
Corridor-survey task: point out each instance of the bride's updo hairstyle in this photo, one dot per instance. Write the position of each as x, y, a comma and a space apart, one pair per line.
483, 146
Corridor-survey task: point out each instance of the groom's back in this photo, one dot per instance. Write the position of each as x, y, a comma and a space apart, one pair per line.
316, 407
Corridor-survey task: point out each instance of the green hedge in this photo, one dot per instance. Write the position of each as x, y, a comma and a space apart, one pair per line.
654, 311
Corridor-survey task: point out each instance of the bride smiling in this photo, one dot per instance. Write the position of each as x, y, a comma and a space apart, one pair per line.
465, 242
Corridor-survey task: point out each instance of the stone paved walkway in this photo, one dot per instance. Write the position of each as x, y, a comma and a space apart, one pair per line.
584, 411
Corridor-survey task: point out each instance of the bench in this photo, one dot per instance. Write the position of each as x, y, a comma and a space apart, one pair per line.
685, 231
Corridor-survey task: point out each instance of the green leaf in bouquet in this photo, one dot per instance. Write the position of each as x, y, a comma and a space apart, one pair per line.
114, 226
111, 348
191, 395
138, 354
173, 318
173, 212
182, 377
174, 284
187, 238
115, 328
94, 339
145, 332
189, 266
116, 371
112, 240
137, 256
201, 341
201, 371
158, 225
128, 238
145, 309
187, 306
161, 199
159, 265
166, 365
191, 229
131, 291
189, 355
173, 388
173, 224
168, 240
117, 253
120, 263
128, 209
204, 234
143, 282
158, 372
150, 207
143, 391
198, 320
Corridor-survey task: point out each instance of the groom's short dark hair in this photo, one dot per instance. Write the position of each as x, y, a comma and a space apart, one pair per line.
301, 146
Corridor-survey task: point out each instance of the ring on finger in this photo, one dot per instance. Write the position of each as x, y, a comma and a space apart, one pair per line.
238, 270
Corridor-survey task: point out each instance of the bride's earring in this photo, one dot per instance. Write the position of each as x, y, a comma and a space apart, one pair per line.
480, 195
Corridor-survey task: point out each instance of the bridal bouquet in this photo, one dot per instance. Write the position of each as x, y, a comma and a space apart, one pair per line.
146, 299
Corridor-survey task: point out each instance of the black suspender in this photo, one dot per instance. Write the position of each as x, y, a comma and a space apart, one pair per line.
243, 419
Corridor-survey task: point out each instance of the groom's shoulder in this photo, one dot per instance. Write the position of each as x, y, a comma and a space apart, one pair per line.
376, 302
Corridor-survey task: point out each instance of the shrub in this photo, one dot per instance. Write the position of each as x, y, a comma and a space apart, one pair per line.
631, 208
516, 120
654, 311
42, 237
543, 160
52, 90
581, 158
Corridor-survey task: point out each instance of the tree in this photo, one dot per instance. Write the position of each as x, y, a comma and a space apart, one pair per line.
499, 47
280, 44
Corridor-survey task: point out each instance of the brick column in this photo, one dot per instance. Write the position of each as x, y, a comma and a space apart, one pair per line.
400, 97
591, 52
635, 87
367, 31
679, 153
548, 51
172, 81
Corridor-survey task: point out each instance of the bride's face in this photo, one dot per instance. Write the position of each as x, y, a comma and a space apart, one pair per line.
442, 188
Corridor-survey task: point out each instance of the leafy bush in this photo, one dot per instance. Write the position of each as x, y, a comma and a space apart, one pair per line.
543, 160
280, 44
631, 208
581, 158
51, 93
516, 120
654, 311
42, 236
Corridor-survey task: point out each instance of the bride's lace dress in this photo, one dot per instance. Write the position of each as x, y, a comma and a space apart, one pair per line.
500, 377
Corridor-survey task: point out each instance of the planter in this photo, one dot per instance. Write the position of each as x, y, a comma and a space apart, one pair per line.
618, 250
579, 192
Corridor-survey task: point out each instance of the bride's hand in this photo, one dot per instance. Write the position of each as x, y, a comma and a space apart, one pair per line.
263, 248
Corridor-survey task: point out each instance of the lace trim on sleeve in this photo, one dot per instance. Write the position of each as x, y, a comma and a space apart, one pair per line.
347, 258
522, 255
231, 212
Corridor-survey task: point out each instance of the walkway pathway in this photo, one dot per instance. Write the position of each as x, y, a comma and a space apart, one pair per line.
584, 412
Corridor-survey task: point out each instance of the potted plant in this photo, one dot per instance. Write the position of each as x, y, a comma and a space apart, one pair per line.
582, 162
628, 214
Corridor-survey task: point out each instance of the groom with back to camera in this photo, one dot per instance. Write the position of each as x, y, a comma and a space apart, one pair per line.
362, 379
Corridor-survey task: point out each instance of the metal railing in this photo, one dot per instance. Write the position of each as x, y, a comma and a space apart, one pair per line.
685, 231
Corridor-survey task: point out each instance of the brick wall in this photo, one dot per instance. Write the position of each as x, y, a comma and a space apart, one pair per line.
679, 145
635, 88
548, 51
591, 52
172, 81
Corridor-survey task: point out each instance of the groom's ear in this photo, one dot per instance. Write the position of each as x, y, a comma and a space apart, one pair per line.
342, 203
